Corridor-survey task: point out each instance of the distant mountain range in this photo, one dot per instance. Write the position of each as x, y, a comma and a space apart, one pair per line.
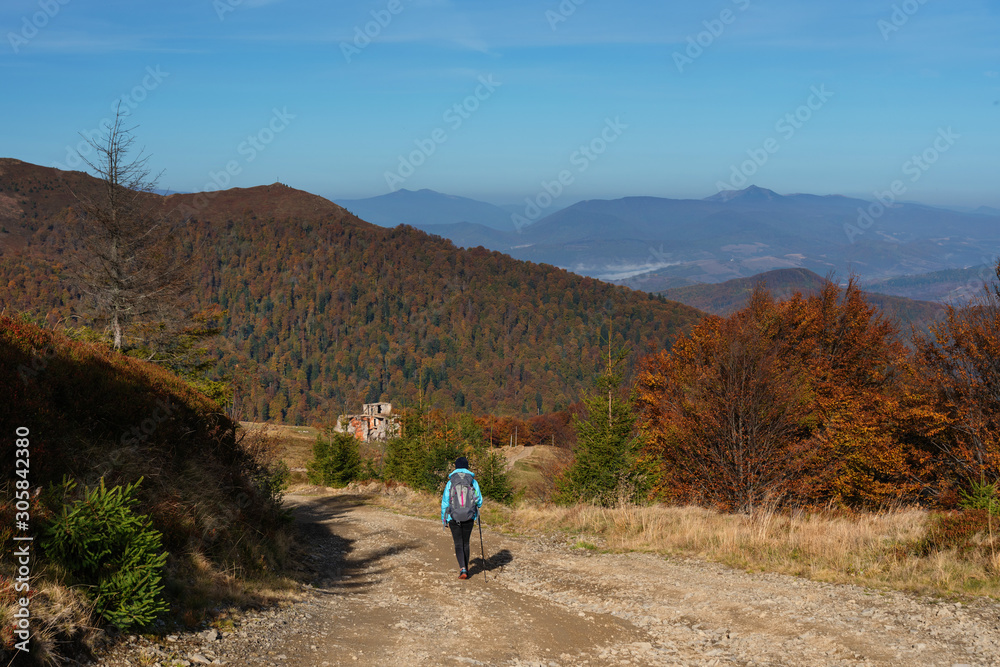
980, 210
951, 286
651, 243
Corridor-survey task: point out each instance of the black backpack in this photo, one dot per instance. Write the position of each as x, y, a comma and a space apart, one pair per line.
462, 499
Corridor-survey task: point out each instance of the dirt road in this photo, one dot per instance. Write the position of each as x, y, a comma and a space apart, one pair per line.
387, 593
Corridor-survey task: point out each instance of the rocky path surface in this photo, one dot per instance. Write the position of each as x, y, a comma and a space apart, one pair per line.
386, 592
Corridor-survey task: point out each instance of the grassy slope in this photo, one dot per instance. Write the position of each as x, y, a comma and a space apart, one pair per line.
294, 444
93, 413
532, 473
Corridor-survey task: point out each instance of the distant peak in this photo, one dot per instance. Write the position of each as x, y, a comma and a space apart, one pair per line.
404, 193
751, 193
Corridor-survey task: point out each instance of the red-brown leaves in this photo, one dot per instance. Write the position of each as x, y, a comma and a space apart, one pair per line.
801, 401
960, 361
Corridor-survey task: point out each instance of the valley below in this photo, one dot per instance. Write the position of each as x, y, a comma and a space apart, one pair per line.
382, 589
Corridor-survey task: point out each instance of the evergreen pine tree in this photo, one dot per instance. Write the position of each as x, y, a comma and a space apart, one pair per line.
607, 466
493, 478
336, 459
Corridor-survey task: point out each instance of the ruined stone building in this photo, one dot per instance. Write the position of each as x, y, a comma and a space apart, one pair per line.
376, 423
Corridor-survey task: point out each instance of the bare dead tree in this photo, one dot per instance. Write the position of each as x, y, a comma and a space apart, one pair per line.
129, 262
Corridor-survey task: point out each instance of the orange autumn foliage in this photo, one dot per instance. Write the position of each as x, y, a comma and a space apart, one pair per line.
803, 402
960, 360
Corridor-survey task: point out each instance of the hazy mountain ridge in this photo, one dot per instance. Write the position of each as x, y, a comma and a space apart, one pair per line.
426, 208
951, 286
741, 233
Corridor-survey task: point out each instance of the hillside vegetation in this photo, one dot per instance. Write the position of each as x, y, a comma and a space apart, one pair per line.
321, 311
92, 415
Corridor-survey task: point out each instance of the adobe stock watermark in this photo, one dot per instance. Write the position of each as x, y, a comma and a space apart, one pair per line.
899, 17
915, 168
33, 24
562, 12
660, 259
20, 620
133, 438
696, 44
455, 116
223, 7
248, 150
141, 433
786, 127
125, 104
581, 159
363, 35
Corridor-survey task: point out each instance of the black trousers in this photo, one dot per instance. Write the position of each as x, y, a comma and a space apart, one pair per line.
461, 533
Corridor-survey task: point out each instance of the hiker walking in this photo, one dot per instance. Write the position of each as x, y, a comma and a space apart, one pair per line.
459, 508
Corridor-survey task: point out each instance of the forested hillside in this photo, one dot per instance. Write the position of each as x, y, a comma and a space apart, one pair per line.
322, 311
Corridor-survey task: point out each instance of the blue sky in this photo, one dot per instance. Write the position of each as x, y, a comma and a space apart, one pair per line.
494, 100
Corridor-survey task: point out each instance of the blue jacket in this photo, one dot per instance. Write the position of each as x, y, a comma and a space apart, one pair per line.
445, 515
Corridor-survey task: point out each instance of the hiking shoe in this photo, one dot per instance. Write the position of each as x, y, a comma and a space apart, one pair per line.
463, 574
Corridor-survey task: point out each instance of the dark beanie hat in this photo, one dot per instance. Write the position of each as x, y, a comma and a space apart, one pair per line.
462, 462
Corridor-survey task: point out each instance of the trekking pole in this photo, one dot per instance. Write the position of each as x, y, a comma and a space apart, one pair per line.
482, 549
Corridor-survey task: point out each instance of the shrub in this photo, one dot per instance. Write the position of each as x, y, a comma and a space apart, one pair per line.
336, 460
981, 496
436, 465
277, 481
369, 470
110, 551
401, 459
954, 530
493, 479
422, 456
606, 468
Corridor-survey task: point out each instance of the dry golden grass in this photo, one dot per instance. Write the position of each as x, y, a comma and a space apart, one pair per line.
292, 444
872, 549
875, 549
60, 618
532, 475
208, 588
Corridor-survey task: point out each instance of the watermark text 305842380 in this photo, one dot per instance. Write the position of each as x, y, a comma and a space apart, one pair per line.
22, 538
